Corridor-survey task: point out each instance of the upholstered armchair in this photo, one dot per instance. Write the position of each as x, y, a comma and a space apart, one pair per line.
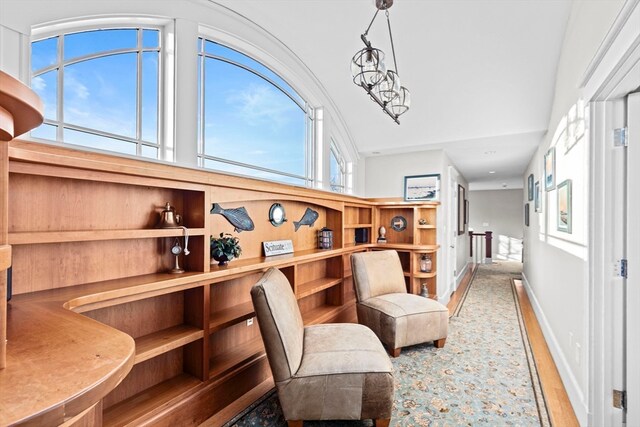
398, 318
322, 372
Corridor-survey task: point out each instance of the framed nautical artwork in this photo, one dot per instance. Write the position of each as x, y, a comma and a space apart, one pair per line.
422, 188
550, 169
564, 206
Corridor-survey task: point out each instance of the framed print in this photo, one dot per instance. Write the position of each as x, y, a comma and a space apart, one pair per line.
466, 212
564, 206
422, 188
537, 196
461, 210
550, 169
530, 187
526, 214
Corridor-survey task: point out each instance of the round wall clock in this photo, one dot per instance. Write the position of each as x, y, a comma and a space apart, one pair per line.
277, 215
398, 223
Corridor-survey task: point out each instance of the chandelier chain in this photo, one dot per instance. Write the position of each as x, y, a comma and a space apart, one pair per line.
371, 23
393, 49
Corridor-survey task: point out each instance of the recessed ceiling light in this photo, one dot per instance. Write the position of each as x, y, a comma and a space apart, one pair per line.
490, 152
492, 171
504, 185
375, 152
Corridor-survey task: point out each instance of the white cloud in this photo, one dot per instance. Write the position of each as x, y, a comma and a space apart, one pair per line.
259, 104
77, 88
38, 84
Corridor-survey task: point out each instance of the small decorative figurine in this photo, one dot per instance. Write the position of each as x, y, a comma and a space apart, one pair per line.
238, 217
310, 216
176, 250
422, 221
382, 234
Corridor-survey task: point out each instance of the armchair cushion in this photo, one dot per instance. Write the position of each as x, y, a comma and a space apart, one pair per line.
402, 319
345, 374
280, 323
378, 273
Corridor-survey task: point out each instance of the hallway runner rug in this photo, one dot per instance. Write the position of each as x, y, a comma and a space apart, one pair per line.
485, 374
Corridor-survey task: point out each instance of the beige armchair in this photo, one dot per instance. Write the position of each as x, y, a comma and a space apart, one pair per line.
322, 372
398, 318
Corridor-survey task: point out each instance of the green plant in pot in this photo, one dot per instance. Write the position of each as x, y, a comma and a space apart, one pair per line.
225, 248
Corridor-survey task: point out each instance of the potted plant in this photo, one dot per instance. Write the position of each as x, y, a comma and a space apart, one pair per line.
225, 248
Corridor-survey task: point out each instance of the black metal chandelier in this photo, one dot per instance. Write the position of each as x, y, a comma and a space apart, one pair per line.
370, 72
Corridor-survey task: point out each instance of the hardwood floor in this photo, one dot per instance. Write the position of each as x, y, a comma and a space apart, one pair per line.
560, 409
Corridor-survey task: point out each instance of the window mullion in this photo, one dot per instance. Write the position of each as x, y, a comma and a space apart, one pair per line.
60, 90
139, 93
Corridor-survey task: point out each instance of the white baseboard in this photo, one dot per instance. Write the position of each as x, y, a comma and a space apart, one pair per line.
444, 299
460, 276
576, 396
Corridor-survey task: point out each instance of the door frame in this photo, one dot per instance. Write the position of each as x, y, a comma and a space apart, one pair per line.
452, 230
613, 73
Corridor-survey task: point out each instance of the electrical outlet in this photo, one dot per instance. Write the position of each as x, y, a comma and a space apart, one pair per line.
250, 322
578, 352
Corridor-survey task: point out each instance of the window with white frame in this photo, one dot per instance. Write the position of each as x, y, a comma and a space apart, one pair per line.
337, 169
101, 88
250, 120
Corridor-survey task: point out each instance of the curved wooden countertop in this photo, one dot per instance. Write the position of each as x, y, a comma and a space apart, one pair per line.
59, 363
20, 108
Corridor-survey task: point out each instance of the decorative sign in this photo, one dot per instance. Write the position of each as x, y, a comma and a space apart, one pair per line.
277, 247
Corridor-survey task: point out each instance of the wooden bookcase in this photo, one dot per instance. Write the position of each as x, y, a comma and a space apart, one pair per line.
82, 226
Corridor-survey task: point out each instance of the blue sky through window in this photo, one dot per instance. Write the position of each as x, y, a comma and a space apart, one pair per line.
249, 120
100, 93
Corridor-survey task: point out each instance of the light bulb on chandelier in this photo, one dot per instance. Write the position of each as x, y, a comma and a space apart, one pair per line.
369, 72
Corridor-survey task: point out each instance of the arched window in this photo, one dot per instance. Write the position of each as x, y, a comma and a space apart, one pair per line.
101, 89
250, 120
337, 169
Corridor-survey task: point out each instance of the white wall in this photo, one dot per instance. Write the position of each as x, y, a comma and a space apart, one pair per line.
555, 263
499, 211
385, 178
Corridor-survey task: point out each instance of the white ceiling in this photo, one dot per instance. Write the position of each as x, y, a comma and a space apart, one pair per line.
481, 73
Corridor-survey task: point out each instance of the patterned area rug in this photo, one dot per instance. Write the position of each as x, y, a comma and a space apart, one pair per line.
485, 374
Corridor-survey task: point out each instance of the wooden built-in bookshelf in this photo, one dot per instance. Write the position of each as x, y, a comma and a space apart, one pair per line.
184, 343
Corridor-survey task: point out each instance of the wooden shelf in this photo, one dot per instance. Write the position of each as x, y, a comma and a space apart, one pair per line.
154, 344
408, 247
347, 226
321, 314
39, 237
236, 357
427, 226
314, 286
5, 257
421, 275
140, 406
229, 316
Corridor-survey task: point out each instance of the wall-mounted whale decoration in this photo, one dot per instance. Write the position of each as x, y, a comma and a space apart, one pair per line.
310, 216
238, 217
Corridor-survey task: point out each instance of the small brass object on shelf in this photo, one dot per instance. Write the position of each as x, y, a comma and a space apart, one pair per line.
169, 218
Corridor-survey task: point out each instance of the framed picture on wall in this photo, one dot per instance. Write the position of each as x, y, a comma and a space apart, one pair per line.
461, 200
526, 214
564, 206
422, 188
530, 187
466, 212
537, 196
550, 169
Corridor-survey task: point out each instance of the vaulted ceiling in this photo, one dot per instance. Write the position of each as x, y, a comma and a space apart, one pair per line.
481, 73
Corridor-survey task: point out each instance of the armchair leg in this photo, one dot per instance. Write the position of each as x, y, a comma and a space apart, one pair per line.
395, 352
381, 422
439, 343
297, 423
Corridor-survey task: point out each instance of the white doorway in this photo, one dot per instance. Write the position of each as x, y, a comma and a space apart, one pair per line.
614, 231
452, 230
632, 351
